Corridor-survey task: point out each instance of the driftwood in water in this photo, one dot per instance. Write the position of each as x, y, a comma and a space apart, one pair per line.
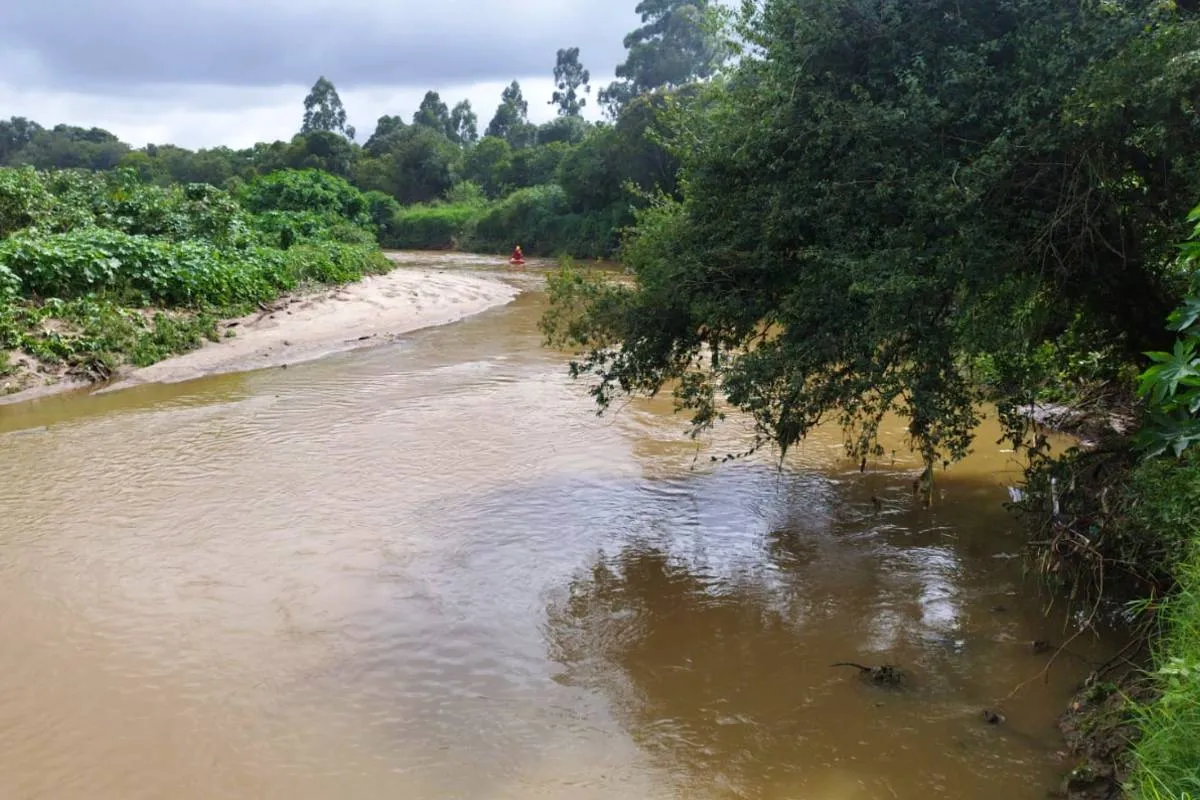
883, 675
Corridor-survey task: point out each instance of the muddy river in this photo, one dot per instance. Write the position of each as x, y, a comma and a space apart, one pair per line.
428, 570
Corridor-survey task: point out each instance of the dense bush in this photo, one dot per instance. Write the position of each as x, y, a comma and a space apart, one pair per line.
66, 200
146, 270
10, 284
284, 228
71, 234
540, 220
381, 208
306, 190
24, 199
527, 217
142, 268
431, 227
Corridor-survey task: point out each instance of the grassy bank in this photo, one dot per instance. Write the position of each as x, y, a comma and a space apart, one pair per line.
1167, 755
1167, 485
102, 271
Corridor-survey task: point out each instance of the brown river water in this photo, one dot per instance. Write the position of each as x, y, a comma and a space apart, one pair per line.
429, 570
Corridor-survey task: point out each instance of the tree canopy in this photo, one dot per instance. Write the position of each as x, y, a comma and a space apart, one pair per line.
938, 201
511, 121
569, 77
433, 113
464, 124
679, 42
560, 187
323, 110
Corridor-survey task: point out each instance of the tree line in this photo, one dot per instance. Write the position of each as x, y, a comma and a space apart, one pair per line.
441, 154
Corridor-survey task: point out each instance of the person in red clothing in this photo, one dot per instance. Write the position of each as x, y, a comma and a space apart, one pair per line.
517, 257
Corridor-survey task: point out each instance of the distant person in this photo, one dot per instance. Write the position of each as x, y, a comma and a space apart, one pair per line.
517, 257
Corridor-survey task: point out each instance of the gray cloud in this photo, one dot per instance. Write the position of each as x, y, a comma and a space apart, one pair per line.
121, 46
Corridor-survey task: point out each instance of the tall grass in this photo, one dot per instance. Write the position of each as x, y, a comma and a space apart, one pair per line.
441, 226
1167, 757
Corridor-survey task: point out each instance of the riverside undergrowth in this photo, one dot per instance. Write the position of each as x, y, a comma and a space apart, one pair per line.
1167, 756
1130, 506
1167, 484
100, 271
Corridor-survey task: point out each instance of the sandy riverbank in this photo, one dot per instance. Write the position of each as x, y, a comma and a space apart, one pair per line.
372, 311
309, 326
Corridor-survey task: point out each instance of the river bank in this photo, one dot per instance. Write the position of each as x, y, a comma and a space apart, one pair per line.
1131, 728
297, 327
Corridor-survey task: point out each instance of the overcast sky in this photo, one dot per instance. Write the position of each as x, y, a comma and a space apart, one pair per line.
200, 73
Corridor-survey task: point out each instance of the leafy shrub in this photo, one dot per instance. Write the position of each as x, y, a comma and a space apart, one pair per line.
64, 200
1172, 384
10, 284
24, 200
528, 217
189, 273
1162, 521
539, 219
381, 208
306, 190
467, 193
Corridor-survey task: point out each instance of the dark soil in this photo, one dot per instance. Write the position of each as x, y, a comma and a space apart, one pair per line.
1100, 733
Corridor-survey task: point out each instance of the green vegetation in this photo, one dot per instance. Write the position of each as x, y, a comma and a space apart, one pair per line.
111, 255
440, 226
566, 187
1166, 485
97, 270
1168, 753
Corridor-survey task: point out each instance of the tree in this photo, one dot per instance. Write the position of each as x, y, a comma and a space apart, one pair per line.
487, 164
908, 229
68, 147
323, 111
433, 114
323, 150
464, 125
569, 76
417, 167
678, 42
15, 134
511, 122
386, 128
571, 130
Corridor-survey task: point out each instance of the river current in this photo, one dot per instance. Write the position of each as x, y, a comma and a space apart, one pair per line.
429, 570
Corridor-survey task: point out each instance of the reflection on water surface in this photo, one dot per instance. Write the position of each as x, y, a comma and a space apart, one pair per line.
429, 571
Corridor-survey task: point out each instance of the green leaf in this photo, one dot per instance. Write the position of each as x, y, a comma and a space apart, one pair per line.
1185, 316
1178, 366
